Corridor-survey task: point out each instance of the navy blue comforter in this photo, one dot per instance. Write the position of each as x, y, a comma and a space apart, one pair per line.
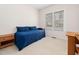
23, 39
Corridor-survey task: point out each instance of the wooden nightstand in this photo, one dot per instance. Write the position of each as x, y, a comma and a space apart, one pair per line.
6, 40
72, 41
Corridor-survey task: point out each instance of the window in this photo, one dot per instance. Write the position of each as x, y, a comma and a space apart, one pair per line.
49, 20
58, 20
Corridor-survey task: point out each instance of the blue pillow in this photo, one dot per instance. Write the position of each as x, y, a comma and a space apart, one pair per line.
33, 28
22, 29
40, 29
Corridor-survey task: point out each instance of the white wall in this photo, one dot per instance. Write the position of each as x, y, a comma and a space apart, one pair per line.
15, 15
71, 19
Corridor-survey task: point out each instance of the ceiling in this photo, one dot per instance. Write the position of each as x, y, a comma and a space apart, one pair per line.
40, 6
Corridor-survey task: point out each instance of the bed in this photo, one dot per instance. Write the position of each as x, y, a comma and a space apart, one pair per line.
26, 37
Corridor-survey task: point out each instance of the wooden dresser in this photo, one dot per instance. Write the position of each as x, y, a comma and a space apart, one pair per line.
6, 40
72, 41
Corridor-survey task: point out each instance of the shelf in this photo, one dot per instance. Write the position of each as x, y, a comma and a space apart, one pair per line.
9, 44
6, 40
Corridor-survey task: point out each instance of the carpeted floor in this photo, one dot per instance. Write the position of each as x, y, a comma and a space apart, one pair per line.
45, 46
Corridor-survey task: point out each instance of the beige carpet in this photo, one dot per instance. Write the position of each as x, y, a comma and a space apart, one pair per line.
45, 46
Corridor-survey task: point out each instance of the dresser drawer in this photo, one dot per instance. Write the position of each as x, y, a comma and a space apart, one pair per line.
8, 38
5, 38
1, 39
